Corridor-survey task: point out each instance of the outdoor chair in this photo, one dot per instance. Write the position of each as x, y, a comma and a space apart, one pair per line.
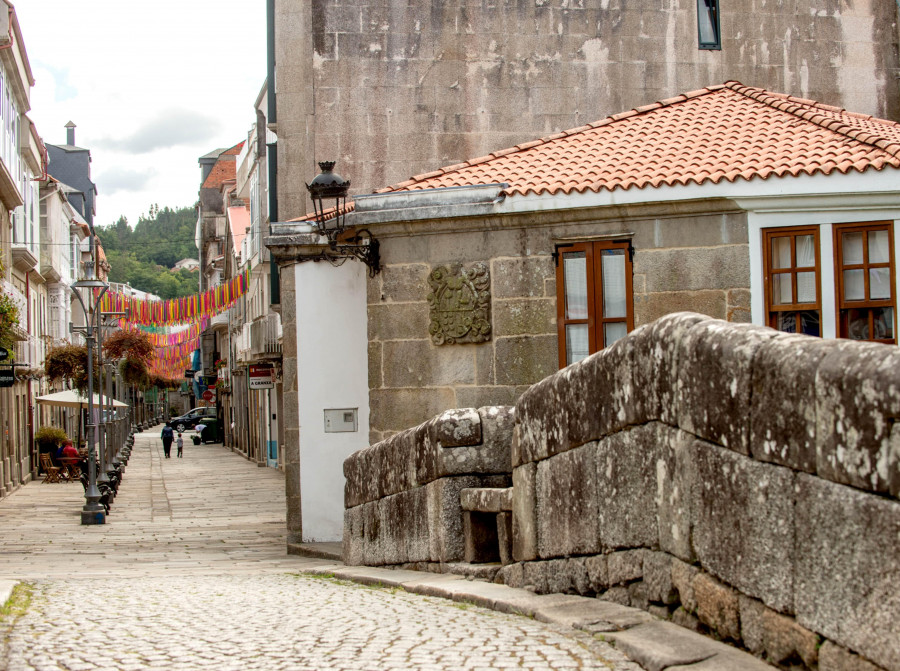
51, 472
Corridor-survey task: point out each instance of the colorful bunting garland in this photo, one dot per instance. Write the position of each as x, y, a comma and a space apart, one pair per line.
177, 310
174, 348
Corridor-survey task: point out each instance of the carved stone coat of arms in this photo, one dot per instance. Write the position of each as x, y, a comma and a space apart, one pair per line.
460, 302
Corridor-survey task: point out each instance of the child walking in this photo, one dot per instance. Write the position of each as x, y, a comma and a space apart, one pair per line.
180, 444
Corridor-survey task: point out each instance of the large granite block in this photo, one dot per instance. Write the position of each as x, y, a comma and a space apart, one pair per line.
396, 463
783, 407
742, 514
717, 606
847, 568
599, 392
674, 475
858, 401
567, 503
359, 485
656, 349
627, 488
497, 425
392, 519
445, 517
373, 541
486, 499
542, 419
524, 513
491, 452
418, 546
354, 537
457, 428
716, 360
425, 455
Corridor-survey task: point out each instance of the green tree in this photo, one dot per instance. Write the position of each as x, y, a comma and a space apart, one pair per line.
143, 256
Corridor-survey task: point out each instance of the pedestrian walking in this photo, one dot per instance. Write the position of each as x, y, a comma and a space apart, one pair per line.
180, 444
167, 436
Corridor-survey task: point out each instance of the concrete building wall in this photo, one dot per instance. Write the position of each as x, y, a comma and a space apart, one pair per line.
391, 89
694, 257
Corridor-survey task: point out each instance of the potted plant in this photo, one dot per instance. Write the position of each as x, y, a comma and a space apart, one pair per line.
48, 438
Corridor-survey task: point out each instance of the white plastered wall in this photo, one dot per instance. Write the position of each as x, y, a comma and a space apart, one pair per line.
332, 372
812, 214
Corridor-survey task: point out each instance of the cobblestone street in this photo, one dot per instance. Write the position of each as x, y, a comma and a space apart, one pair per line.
190, 572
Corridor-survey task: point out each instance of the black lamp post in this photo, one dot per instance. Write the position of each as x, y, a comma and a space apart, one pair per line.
92, 512
106, 454
328, 192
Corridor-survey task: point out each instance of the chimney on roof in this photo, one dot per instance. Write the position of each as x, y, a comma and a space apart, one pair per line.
70, 134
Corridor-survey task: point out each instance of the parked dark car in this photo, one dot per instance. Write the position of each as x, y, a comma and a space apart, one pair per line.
192, 418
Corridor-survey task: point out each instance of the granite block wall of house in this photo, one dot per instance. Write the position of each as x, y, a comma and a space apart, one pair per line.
693, 256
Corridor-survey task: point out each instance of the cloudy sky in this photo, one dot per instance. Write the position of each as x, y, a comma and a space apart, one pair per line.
151, 87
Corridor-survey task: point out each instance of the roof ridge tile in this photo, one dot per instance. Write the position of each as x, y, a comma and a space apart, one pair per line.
808, 110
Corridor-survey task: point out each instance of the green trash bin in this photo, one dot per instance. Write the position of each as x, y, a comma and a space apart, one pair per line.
210, 433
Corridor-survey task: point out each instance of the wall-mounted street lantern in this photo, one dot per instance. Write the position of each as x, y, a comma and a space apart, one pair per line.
328, 192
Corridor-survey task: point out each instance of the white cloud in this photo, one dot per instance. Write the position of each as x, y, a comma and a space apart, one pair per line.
170, 128
151, 87
117, 180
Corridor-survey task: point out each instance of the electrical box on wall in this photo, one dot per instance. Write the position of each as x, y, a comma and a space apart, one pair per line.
341, 420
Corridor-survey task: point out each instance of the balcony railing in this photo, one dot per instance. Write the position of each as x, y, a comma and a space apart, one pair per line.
265, 337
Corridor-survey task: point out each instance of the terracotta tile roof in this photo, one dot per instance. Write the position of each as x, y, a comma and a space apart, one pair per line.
235, 150
725, 132
224, 168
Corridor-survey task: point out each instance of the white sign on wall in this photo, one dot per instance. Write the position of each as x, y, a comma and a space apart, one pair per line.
261, 376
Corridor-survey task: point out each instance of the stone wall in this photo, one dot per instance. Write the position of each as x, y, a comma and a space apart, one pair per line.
729, 477
688, 256
392, 88
402, 494
736, 480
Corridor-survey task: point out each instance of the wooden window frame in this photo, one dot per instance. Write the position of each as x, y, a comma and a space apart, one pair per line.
839, 267
769, 274
595, 320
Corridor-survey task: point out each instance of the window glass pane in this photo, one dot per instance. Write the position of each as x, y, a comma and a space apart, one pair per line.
852, 247
854, 285
576, 342
879, 283
781, 252
786, 322
806, 287
806, 322
806, 251
781, 289
613, 331
613, 265
575, 269
706, 21
857, 323
878, 247
809, 323
884, 323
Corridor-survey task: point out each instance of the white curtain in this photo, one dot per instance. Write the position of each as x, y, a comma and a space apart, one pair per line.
577, 343
854, 285
575, 271
614, 298
878, 247
879, 283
